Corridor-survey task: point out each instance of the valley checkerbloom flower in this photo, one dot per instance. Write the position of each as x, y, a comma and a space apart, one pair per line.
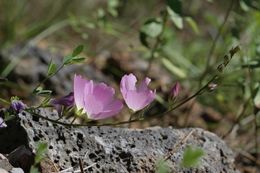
136, 97
95, 99
66, 101
17, 105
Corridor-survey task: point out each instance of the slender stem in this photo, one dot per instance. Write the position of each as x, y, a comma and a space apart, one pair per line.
48, 77
178, 145
256, 139
214, 43
157, 43
239, 116
200, 91
80, 125
74, 119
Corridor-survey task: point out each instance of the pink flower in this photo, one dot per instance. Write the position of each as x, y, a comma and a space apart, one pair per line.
175, 90
66, 101
95, 99
136, 97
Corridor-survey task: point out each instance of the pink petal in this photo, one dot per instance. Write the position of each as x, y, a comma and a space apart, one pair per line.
103, 93
138, 100
139, 97
127, 83
79, 85
144, 85
89, 87
91, 104
110, 110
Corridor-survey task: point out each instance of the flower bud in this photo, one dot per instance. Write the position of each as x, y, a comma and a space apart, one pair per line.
212, 86
67, 101
17, 105
175, 90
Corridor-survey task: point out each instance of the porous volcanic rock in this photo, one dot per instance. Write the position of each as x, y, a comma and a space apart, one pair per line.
110, 149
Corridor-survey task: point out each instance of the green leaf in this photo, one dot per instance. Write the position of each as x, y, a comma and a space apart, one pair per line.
243, 5
192, 24
143, 39
34, 170
247, 4
77, 50
257, 98
51, 69
46, 101
40, 152
5, 102
42, 92
176, 18
77, 60
162, 167
252, 64
112, 7
173, 68
67, 59
191, 157
72, 60
175, 5
152, 27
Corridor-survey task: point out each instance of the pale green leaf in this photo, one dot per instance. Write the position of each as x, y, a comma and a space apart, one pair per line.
176, 18
77, 50
162, 167
191, 157
192, 24
152, 27
51, 69
67, 59
40, 152
257, 98
34, 170
175, 5
173, 69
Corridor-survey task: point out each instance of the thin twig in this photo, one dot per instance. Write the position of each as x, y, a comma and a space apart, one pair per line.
80, 125
239, 116
256, 138
177, 146
157, 43
214, 43
248, 156
81, 166
123, 122
77, 171
199, 92
48, 77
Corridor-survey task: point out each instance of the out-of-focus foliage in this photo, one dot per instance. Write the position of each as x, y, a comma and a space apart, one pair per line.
188, 39
191, 157
162, 167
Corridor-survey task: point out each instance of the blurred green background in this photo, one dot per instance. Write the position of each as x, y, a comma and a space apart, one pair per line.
185, 40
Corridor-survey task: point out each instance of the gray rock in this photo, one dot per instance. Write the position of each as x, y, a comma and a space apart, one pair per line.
109, 149
16, 170
5, 166
3, 171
